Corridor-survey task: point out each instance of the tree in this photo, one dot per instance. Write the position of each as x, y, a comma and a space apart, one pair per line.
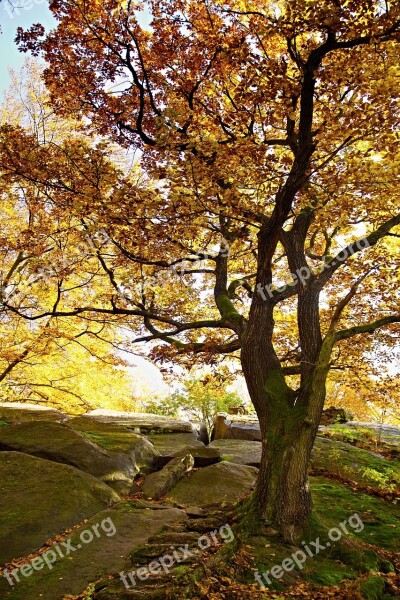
45, 254
268, 127
201, 398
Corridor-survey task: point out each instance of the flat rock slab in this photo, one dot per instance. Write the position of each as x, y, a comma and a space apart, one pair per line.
223, 482
143, 422
19, 412
388, 433
40, 498
104, 555
116, 438
60, 443
203, 456
242, 452
168, 443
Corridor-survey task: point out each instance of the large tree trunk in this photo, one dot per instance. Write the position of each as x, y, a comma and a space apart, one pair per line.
289, 424
282, 495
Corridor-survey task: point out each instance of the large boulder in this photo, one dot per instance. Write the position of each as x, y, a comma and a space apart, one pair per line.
242, 452
108, 553
333, 415
204, 456
142, 422
60, 443
158, 484
40, 498
236, 427
168, 443
355, 464
18, 412
117, 438
223, 482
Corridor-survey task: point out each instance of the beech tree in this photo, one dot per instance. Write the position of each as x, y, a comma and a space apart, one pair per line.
269, 128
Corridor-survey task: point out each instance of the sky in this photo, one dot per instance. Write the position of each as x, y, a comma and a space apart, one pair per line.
24, 14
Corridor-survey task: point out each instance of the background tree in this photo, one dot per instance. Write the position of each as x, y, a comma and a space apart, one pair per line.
272, 127
46, 254
200, 398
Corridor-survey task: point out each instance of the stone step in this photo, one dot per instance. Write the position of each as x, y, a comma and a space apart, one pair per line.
144, 593
174, 538
205, 525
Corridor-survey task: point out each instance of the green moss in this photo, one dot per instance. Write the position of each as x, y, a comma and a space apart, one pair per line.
227, 309
364, 437
108, 442
226, 458
182, 572
354, 463
4, 424
335, 503
140, 555
367, 519
373, 588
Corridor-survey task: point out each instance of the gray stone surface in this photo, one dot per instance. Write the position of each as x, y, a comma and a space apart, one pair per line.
117, 438
40, 498
60, 443
158, 484
20, 412
203, 456
143, 422
102, 556
223, 482
243, 452
167, 443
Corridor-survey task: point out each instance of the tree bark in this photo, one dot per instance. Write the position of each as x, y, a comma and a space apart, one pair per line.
289, 424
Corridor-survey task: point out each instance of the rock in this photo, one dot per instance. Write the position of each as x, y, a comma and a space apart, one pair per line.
60, 443
143, 422
243, 452
168, 443
236, 427
158, 484
101, 557
247, 427
238, 410
20, 413
117, 438
40, 498
194, 512
223, 482
351, 462
387, 433
203, 434
333, 415
203, 456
